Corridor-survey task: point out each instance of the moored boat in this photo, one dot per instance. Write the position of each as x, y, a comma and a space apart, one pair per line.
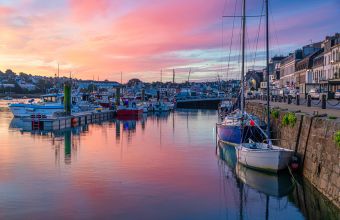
129, 109
257, 155
235, 128
263, 156
49, 104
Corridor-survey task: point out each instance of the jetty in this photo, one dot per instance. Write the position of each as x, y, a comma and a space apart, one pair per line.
38, 122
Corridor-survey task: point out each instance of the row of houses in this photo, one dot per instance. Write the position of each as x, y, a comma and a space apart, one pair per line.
316, 65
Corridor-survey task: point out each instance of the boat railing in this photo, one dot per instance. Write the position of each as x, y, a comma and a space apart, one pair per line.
259, 127
276, 139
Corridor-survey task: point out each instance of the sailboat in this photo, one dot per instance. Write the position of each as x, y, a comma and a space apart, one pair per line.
238, 126
263, 156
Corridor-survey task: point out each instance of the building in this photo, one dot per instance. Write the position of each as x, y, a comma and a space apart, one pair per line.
318, 69
304, 72
334, 81
253, 79
287, 69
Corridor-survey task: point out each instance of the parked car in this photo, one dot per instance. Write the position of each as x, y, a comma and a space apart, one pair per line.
293, 93
283, 91
314, 94
337, 94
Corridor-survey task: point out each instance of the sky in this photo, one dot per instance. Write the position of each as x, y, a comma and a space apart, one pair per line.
101, 39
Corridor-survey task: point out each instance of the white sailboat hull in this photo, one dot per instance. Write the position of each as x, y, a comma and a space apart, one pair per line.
269, 159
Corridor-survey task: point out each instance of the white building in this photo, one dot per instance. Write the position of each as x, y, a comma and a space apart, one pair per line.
335, 57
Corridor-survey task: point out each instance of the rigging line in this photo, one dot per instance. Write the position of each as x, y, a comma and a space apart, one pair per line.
222, 36
231, 40
222, 33
274, 26
258, 35
240, 16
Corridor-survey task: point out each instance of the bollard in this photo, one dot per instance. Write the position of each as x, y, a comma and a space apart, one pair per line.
289, 100
297, 99
309, 101
323, 101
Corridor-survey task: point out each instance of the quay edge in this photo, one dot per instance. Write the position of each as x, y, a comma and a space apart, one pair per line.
313, 140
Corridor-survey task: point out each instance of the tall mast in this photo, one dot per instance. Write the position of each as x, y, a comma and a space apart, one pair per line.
173, 75
243, 50
267, 70
161, 75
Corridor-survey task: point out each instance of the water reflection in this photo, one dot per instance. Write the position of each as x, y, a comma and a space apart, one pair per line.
275, 191
157, 167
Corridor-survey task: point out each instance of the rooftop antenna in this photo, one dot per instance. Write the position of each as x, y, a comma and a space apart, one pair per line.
173, 75
58, 70
161, 75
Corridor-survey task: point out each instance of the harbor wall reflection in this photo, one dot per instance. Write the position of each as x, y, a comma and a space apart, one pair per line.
277, 189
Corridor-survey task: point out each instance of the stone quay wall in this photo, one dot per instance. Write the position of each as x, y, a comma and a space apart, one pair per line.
312, 138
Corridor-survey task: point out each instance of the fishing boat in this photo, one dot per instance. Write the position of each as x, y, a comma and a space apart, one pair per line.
129, 108
257, 155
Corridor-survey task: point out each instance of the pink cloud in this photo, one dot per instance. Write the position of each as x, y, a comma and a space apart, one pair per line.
86, 9
105, 37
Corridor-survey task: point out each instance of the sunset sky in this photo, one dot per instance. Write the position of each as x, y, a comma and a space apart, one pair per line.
101, 38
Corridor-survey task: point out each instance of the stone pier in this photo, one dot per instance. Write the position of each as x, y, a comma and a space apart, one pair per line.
312, 137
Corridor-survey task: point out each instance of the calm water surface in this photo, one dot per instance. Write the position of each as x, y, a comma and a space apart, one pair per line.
161, 167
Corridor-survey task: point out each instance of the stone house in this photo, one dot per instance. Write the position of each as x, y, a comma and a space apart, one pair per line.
287, 69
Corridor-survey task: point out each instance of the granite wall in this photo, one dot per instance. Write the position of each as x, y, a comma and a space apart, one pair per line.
312, 137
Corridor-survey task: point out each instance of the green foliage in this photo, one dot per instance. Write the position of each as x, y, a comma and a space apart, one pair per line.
289, 119
274, 113
337, 138
332, 117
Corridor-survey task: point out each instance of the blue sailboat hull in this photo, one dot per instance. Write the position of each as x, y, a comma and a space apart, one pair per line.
229, 134
236, 135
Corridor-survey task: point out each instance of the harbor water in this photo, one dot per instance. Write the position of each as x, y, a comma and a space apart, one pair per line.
163, 166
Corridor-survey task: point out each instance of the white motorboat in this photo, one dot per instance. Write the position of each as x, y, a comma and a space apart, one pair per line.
263, 156
49, 104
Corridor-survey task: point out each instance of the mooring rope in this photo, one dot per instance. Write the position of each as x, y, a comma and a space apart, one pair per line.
314, 102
